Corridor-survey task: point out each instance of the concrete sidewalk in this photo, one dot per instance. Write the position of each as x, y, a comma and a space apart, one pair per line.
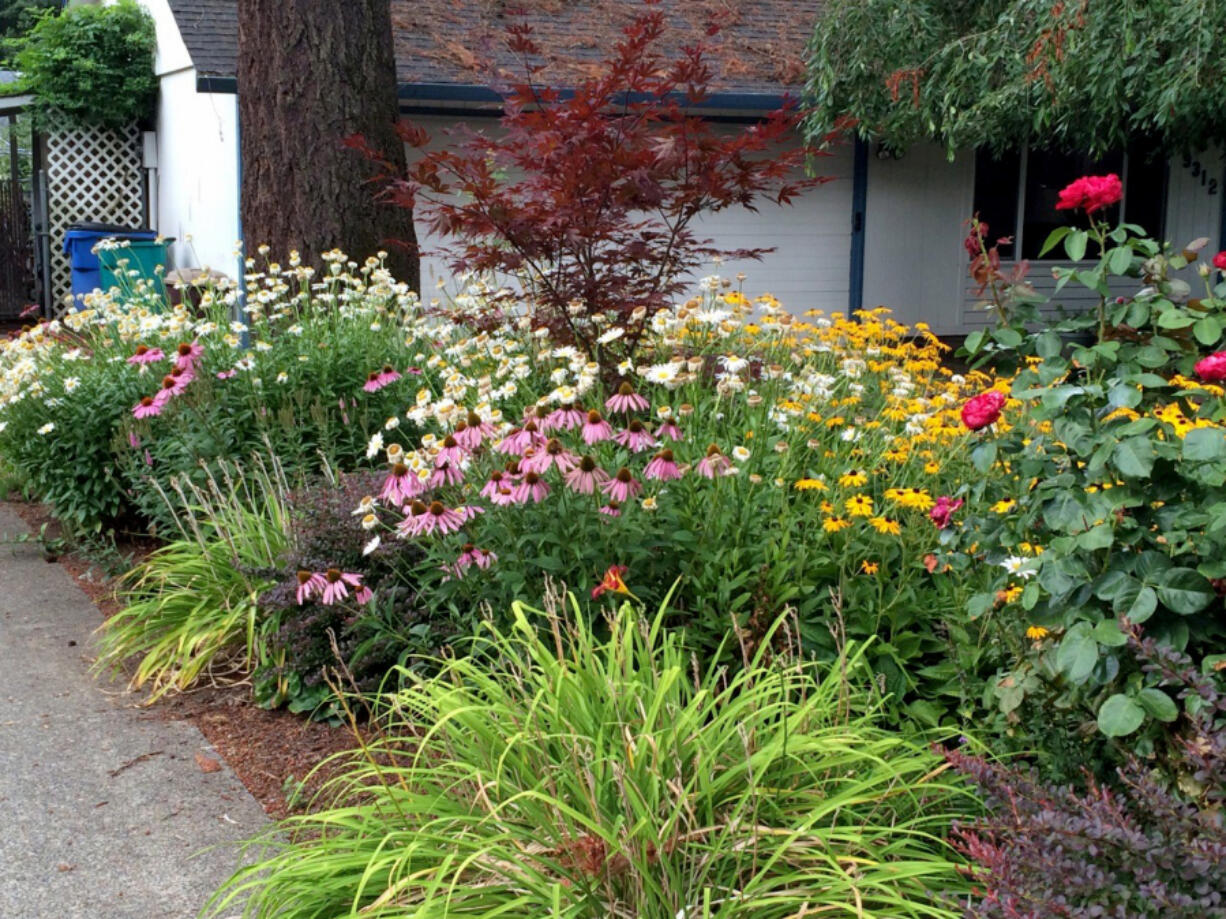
104, 810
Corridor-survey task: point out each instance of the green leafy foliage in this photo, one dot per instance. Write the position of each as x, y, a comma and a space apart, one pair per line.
1117, 472
90, 66
1084, 76
582, 772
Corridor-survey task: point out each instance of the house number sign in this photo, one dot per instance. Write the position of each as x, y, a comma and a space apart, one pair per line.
1200, 172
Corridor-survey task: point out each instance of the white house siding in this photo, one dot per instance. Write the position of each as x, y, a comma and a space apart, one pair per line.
914, 260
196, 189
812, 237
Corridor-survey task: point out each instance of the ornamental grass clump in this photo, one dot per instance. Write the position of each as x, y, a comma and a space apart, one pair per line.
599, 772
190, 608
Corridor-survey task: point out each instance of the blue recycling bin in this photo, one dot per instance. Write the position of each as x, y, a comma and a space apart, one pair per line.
79, 242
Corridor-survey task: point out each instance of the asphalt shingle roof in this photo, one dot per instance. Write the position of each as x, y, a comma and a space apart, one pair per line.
759, 48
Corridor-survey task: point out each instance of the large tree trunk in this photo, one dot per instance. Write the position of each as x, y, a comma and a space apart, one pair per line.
311, 74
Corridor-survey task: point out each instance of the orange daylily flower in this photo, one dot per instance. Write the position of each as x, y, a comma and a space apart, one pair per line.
612, 582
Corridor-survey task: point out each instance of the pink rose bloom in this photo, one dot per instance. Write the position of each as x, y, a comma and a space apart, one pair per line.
622, 487
626, 400
1219, 261
942, 512
1091, 193
983, 409
1212, 369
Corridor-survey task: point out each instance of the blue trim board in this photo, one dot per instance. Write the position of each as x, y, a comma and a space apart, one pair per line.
859, 217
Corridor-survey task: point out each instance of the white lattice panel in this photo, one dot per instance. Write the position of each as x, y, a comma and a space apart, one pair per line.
93, 176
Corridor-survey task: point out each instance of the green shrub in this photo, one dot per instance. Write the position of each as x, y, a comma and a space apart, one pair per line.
90, 66
1105, 502
563, 773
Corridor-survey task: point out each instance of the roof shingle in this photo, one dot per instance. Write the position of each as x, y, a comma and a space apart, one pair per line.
759, 49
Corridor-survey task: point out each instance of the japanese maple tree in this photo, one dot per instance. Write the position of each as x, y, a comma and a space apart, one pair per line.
588, 196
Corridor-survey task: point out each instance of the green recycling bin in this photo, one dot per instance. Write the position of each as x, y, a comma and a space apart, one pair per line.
147, 257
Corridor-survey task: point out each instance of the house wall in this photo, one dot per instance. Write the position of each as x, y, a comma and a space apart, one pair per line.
914, 260
196, 177
812, 237
198, 174
915, 224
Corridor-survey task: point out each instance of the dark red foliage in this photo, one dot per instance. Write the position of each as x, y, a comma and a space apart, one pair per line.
588, 196
1154, 847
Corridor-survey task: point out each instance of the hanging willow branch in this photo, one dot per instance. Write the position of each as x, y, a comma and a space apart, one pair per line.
1087, 75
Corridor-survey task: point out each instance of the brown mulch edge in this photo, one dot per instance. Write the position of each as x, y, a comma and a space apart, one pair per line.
271, 752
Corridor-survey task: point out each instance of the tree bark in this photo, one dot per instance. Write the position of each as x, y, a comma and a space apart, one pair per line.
311, 74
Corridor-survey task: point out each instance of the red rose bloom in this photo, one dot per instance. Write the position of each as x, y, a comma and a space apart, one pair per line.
1091, 193
1212, 369
983, 409
1219, 261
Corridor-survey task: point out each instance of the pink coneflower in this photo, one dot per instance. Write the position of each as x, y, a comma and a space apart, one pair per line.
585, 477
450, 452
552, 454
520, 439
188, 353
471, 555
714, 463
133, 440
226, 374
148, 407
437, 518
499, 480
563, 418
668, 428
337, 584
470, 433
377, 379
468, 511
662, 467
596, 429
146, 355
612, 509
447, 473
626, 400
635, 437
401, 485
310, 584
533, 488
622, 487
179, 378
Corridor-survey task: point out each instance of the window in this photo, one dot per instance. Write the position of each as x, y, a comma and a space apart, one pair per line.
1016, 193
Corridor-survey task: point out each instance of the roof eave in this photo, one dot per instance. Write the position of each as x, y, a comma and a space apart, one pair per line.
429, 95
